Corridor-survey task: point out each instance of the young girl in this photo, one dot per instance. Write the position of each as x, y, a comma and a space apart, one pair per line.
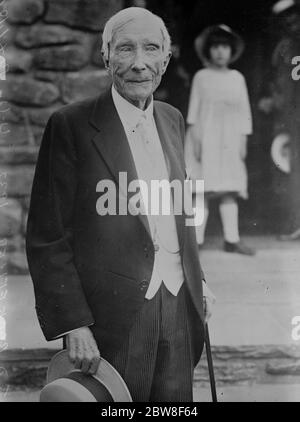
219, 120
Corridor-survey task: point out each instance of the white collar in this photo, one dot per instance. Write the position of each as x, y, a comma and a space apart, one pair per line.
128, 112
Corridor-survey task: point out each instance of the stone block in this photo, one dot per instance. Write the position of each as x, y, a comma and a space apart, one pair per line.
38, 134
26, 368
10, 218
67, 57
257, 353
236, 372
283, 368
12, 114
16, 244
17, 264
48, 75
19, 179
12, 134
18, 60
25, 11
40, 116
40, 35
86, 14
77, 86
27, 91
18, 154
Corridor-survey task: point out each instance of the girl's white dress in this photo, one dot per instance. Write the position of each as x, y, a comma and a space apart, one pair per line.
219, 107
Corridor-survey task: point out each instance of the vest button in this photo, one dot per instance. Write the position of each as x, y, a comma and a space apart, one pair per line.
144, 285
156, 247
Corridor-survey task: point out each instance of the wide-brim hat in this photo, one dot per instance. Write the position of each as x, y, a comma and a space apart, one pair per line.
67, 384
280, 152
203, 38
284, 6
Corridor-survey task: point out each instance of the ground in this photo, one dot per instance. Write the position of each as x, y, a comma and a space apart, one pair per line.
257, 298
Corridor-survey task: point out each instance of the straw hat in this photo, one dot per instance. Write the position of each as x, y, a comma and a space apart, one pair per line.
66, 384
223, 30
280, 152
282, 6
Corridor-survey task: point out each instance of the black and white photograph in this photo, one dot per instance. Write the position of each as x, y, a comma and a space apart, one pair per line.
149, 203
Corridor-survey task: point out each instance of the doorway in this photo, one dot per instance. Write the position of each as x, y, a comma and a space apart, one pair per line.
253, 21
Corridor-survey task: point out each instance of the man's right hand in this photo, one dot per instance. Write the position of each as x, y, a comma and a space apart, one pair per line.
83, 350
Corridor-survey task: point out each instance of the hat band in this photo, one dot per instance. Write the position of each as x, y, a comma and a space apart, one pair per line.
93, 385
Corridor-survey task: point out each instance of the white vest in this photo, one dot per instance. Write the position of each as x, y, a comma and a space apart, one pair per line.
147, 152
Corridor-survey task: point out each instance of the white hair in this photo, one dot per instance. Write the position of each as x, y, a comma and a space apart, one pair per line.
128, 15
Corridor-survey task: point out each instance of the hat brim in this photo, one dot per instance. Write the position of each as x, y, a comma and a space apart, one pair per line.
201, 40
60, 366
281, 160
283, 6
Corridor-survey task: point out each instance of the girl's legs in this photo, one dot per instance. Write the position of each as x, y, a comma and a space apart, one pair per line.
230, 219
230, 216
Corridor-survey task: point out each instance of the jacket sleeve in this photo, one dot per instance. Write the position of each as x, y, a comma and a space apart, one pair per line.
60, 301
182, 135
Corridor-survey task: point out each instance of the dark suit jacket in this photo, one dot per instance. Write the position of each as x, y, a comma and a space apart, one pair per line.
88, 269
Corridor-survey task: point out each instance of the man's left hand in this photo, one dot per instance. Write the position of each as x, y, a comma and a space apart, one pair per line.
209, 300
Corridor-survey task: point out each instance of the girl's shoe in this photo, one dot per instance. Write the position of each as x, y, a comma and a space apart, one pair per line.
238, 247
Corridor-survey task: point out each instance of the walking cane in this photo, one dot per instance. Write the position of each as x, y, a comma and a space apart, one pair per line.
210, 366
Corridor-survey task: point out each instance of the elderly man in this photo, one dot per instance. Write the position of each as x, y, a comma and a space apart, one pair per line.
126, 286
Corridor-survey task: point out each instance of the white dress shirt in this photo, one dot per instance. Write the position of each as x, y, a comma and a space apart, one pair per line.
148, 156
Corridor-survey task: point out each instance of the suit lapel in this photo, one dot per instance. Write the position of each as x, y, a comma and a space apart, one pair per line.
112, 144
169, 140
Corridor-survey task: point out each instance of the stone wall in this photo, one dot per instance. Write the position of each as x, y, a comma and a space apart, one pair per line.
53, 58
248, 365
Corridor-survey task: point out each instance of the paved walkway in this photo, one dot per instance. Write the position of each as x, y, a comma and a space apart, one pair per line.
256, 393
256, 298
256, 301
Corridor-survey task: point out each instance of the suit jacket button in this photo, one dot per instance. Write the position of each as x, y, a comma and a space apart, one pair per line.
144, 285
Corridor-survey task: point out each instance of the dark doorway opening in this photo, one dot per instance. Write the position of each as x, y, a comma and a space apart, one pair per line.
255, 23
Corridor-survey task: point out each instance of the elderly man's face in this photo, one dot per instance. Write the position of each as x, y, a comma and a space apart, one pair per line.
137, 60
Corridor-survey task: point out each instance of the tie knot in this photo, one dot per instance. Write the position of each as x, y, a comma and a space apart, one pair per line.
142, 119
142, 123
